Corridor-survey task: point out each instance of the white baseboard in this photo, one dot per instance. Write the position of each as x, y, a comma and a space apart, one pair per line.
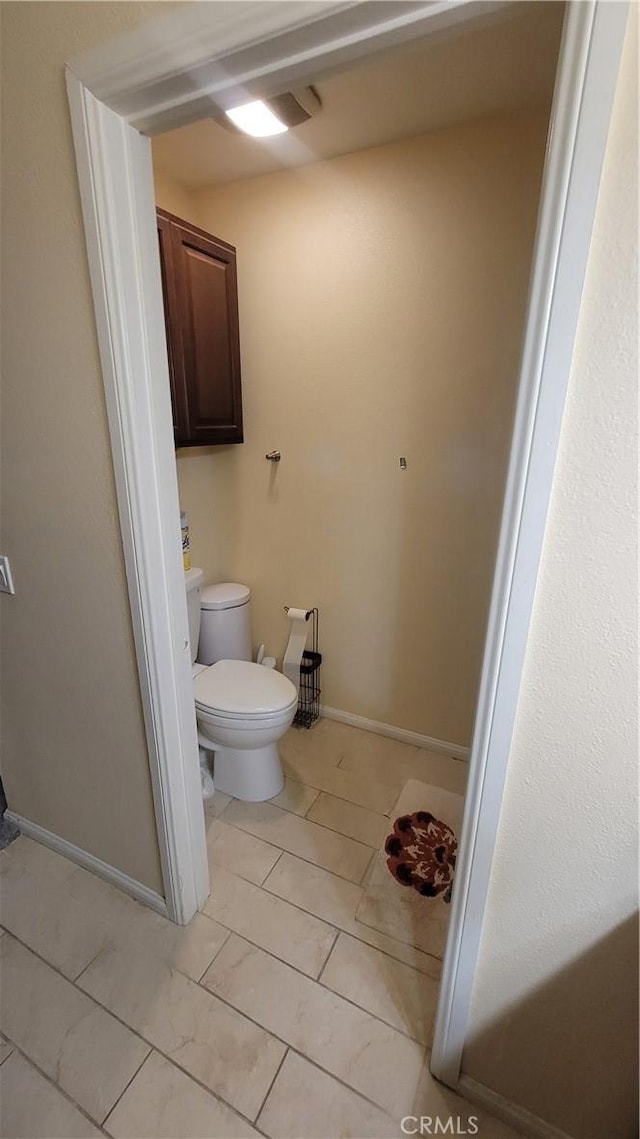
518, 1117
402, 734
89, 862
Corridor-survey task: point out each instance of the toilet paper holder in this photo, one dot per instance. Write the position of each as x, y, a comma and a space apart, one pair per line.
309, 695
273, 456
307, 678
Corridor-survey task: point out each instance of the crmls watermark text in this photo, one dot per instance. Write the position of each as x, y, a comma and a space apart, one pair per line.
434, 1125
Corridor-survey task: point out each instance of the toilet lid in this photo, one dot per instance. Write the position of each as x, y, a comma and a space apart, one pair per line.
225, 595
239, 687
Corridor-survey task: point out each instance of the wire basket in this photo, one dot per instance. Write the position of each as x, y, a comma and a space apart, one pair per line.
308, 710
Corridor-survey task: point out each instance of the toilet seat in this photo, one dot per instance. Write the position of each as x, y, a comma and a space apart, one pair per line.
249, 727
206, 712
237, 691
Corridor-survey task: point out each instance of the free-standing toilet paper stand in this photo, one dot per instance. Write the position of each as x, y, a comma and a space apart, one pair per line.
308, 710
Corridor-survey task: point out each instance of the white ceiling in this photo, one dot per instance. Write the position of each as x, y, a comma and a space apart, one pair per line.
506, 64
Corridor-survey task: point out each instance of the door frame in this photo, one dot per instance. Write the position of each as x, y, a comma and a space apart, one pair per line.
169, 73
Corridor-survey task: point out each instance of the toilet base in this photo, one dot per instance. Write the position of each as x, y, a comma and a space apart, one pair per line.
252, 774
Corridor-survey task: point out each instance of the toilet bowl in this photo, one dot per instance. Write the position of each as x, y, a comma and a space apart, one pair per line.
242, 710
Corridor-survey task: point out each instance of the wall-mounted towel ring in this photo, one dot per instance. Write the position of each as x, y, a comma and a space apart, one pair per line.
273, 456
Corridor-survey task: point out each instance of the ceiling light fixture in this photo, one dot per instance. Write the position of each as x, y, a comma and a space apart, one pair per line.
256, 119
265, 117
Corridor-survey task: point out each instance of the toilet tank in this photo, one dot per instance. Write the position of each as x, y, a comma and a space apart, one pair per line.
225, 623
193, 585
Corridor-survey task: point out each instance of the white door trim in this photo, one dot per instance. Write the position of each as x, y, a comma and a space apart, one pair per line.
116, 188
173, 72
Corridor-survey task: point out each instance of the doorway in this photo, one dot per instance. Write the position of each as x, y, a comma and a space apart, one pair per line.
115, 176
383, 252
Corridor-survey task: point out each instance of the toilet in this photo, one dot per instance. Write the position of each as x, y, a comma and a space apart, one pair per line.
242, 709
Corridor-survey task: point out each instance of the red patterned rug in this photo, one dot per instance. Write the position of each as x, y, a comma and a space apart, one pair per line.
421, 853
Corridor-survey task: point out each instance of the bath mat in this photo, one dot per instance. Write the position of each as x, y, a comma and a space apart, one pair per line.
416, 910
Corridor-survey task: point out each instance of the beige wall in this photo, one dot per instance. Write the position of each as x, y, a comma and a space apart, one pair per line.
74, 752
171, 196
381, 304
554, 1015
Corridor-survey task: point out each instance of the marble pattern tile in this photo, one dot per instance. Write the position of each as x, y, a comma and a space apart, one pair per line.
240, 852
399, 995
68, 915
368, 1055
324, 894
32, 1108
335, 901
40, 909
26, 860
316, 844
381, 752
162, 1102
275, 925
221, 1048
350, 819
325, 741
186, 948
379, 758
215, 806
90, 1055
307, 1103
354, 1024
126, 922
295, 797
344, 784
402, 913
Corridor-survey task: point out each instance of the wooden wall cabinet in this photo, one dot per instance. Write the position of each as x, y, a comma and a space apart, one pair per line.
200, 291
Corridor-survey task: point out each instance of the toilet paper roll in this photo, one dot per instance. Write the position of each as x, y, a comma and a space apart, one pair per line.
299, 619
298, 614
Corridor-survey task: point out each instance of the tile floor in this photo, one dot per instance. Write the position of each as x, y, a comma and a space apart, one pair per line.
275, 1012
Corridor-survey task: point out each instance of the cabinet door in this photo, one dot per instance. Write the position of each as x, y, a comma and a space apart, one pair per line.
171, 320
207, 296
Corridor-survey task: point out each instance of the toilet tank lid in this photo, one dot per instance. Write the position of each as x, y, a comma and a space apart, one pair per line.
226, 595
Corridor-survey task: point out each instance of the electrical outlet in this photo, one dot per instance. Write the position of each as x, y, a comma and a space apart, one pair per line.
6, 580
